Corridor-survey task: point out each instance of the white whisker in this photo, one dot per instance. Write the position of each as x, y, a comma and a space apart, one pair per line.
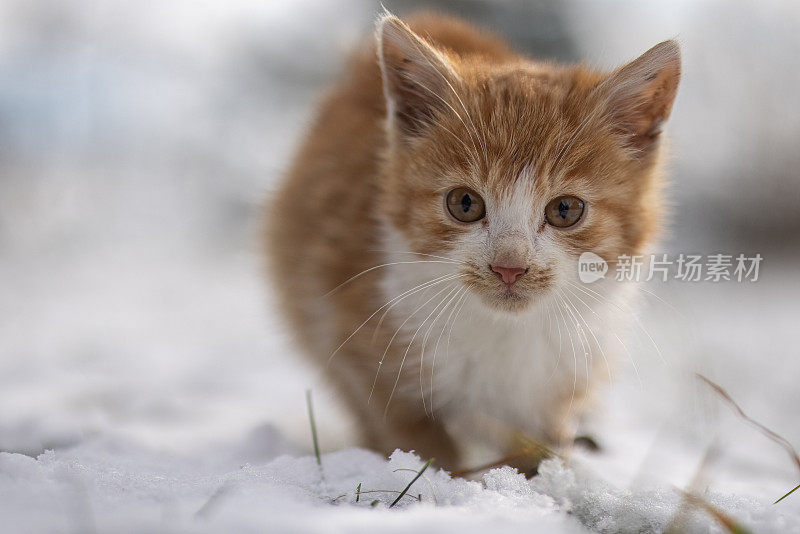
670, 306
424, 344
422, 254
580, 315
422, 352
589, 328
446, 103
365, 271
408, 347
599, 299
624, 346
393, 301
587, 348
439, 339
558, 356
391, 340
455, 93
450, 333
574, 358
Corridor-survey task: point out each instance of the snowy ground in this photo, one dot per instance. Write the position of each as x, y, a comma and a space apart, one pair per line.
149, 437
145, 381
108, 486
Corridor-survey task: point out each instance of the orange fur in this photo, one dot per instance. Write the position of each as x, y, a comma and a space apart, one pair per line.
463, 110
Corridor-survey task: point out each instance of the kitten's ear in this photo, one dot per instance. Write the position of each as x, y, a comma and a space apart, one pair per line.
416, 76
641, 93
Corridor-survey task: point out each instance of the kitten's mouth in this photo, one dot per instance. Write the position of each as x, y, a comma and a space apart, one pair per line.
506, 298
510, 291
510, 298
514, 293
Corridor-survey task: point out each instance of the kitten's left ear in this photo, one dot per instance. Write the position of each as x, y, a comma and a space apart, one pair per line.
641, 93
416, 77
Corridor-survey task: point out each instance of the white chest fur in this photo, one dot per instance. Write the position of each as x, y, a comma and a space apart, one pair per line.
484, 370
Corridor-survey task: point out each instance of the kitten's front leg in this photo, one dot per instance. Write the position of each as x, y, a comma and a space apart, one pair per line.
405, 425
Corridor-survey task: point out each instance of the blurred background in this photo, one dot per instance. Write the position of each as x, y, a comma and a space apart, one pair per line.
139, 138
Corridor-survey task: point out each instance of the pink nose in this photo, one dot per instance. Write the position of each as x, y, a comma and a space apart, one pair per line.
508, 274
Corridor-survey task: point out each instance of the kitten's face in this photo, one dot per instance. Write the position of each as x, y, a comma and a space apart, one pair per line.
514, 171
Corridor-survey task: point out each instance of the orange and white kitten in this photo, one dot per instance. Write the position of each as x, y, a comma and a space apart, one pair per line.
425, 242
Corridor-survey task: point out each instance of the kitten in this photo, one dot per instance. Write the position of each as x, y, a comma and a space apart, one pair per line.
425, 242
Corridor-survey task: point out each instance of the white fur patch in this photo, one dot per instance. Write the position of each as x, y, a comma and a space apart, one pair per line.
497, 372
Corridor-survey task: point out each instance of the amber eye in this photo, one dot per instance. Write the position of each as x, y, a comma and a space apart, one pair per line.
465, 205
564, 211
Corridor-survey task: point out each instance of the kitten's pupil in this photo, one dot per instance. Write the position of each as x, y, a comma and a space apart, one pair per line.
563, 208
564, 211
466, 203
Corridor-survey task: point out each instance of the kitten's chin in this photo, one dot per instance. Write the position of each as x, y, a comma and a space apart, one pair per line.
509, 301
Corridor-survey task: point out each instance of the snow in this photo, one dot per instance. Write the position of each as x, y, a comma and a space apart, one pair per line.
146, 382
110, 485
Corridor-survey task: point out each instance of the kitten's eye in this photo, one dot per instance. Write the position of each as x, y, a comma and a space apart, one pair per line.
564, 211
465, 205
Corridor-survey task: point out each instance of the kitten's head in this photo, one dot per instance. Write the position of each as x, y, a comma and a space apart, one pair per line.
515, 168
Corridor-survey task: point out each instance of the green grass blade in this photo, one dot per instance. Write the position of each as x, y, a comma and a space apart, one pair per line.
416, 477
790, 492
313, 428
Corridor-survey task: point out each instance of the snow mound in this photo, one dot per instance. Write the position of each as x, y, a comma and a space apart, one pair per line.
109, 485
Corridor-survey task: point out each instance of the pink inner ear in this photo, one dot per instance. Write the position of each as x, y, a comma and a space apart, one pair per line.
413, 75
659, 94
643, 91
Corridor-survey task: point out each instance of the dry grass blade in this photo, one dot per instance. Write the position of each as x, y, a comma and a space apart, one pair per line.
681, 517
531, 448
774, 436
730, 524
360, 492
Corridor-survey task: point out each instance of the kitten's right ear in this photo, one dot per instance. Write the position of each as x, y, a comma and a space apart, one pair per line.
416, 76
641, 93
